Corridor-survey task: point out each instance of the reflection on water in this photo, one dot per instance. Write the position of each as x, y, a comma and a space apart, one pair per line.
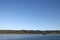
29, 37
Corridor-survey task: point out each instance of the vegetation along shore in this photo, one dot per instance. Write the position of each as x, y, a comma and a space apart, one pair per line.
29, 32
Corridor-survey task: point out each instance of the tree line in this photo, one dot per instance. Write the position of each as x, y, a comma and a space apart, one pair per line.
29, 32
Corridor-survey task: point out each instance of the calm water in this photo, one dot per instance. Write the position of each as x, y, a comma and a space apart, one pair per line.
29, 37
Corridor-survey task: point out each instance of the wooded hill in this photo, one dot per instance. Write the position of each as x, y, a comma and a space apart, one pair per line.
29, 32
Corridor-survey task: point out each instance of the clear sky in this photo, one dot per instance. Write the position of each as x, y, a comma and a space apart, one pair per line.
30, 14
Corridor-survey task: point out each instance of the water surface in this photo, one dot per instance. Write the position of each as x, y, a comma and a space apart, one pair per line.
29, 37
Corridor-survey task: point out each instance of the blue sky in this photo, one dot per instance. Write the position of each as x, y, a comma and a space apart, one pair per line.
30, 14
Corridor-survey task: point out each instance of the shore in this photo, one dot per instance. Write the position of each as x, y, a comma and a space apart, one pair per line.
29, 32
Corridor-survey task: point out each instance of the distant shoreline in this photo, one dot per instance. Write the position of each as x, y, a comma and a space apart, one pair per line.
29, 32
